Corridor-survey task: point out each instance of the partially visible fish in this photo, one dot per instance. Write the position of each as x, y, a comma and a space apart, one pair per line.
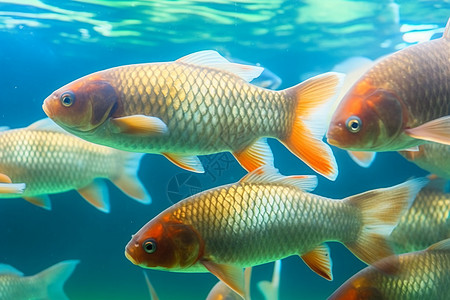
267, 79
225, 229
270, 289
47, 284
433, 157
49, 160
403, 101
412, 276
199, 104
426, 222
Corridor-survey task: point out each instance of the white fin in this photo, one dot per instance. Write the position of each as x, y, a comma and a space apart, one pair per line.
127, 180
46, 124
12, 188
97, 195
212, 59
270, 290
412, 149
362, 158
443, 245
52, 279
7, 269
446, 34
267, 174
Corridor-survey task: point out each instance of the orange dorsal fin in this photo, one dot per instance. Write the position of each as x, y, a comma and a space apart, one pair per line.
319, 261
314, 99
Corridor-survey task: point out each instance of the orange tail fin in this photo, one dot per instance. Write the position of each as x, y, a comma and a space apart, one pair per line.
315, 98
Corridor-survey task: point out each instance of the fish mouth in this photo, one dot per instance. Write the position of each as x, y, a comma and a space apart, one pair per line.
130, 258
47, 110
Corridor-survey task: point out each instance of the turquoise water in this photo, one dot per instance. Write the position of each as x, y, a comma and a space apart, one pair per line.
46, 44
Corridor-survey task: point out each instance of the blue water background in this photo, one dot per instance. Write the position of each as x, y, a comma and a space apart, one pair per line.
295, 39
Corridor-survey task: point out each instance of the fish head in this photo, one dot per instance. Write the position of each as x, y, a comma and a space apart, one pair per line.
83, 104
165, 245
367, 119
357, 289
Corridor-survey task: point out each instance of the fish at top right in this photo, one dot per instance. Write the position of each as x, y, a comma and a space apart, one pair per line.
401, 102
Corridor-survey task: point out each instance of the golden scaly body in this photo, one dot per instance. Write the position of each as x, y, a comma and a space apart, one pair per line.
412, 276
249, 224
206, 110
425, 223
51, 162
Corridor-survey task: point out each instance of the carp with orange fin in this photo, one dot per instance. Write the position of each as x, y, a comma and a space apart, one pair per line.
412, 276
43, 159
226, 229
403, 101
199, 104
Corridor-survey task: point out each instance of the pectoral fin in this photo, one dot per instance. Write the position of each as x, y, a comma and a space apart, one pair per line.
139, 125
41, 200
96, 194
319, 261
5, 178
435, 131
188, 162
231, 275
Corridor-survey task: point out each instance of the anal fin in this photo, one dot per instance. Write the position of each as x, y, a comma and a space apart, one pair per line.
319, 261
96, 194
254, 156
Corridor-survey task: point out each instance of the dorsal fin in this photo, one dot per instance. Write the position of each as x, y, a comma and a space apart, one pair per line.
212, 59
10, 270
443, 245
46, 124
446, 34
268, 174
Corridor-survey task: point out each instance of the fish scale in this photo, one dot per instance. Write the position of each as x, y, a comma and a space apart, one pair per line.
429, 62
265, 213
196, 104
425, 223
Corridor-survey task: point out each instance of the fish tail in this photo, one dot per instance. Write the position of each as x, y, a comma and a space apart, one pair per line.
127, 180
315, 98
380, 211
53, 279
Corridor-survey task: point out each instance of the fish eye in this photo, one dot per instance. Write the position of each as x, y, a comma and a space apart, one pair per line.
353, 124
149, 246
67, 99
